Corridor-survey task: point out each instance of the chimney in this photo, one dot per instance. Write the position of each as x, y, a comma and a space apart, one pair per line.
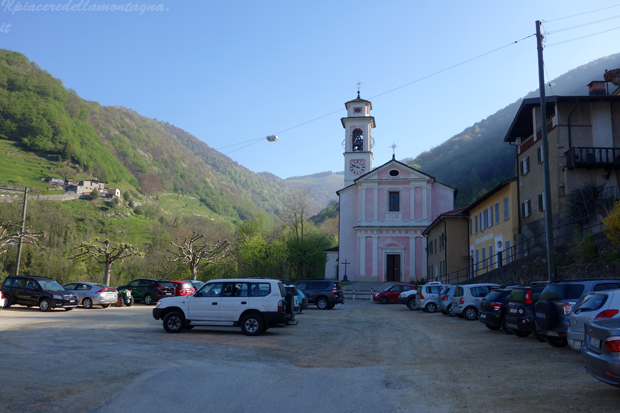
597, 88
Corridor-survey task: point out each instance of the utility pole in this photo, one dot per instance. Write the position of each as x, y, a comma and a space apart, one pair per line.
21, 233
545, 154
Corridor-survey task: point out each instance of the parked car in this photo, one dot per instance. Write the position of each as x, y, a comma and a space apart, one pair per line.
445, 300
37, 291
593, 306
149, 290
1, 301
197, 284
520, 315
427, 297
601, 350
493, 309
254, 305
554, 306
303, 300
293, 290
391, 293
408, 298
183, 288
467, 299
90, 294
323, 293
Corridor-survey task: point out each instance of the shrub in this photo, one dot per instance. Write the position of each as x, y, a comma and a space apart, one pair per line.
612, 224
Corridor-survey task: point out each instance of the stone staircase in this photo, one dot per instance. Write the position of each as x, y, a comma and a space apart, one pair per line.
363, 289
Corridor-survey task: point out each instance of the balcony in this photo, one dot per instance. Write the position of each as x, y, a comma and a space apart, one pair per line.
589, 158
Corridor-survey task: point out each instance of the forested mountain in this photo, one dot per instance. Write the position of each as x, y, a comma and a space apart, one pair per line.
118, 145
477, 159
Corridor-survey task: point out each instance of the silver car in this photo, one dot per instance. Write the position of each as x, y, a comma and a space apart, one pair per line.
90, 294
445, 300
467, 299
593, 306
427, 297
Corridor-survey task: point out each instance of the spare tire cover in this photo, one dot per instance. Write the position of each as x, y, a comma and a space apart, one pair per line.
545, 315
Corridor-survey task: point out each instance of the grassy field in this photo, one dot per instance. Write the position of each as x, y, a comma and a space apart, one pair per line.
182, 205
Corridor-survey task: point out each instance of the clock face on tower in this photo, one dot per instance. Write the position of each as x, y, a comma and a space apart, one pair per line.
357, 166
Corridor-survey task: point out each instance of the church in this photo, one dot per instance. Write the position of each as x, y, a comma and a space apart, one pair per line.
383, 210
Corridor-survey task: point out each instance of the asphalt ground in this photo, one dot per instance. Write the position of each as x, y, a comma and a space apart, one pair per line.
358, 357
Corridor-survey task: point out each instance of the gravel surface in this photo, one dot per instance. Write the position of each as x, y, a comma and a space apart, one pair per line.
358, 357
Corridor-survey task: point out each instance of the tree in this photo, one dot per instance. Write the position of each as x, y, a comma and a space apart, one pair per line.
259, 254
104, 252
612, 224
66, 172
10, 234
99, 172
149, 184
198, 256
94, 194
295, 211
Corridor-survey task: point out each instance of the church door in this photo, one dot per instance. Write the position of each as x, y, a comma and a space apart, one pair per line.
393, 268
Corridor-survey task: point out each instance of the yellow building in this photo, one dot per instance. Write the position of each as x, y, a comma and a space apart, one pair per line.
493, 225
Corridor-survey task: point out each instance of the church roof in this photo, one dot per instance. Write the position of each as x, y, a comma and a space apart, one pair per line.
358, 100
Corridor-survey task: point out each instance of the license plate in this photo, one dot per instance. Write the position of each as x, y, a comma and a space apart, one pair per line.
594, 343
483, 316
512, 310
512, 326
72, 301
552, 333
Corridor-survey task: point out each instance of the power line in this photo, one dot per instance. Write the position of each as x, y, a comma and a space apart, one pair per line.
238, 149
583, 25
580, 14
240, 143
582, 37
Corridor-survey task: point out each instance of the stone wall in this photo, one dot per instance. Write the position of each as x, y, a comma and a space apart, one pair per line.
534, 266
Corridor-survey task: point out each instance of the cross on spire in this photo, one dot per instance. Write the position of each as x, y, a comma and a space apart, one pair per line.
393, 146
358, 88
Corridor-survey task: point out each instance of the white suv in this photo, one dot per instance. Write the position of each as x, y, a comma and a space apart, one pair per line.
250, 303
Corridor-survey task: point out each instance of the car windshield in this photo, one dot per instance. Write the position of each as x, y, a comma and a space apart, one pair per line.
166, 285
50, 285
301, 293
495, 295
517, 295
561, 292
445, 290
590, 302
389, 288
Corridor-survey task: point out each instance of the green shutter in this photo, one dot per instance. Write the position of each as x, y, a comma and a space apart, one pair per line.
527, 161
521, 167
540, 202
523, 209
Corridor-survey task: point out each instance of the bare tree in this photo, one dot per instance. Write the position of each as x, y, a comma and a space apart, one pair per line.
66, 172
149, 184
10, 233
198, 256
295, 211
104, 252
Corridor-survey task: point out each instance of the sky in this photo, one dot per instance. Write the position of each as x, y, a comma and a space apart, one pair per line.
230, 72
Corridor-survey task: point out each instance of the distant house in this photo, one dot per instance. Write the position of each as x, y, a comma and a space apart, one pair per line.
446, 246
57, 181
86, 187
113, 193
493, 227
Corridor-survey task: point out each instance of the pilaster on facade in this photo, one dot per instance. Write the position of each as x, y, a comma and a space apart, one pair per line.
374, 256
424, 204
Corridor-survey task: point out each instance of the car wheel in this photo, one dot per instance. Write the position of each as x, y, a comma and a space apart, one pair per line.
331, 306
521, 333
321, 303
470, 313
505, 328
87, 303
491, 327
7, 302
538, 336
450, 312
557, 341
130, 303
173, 322
383, 300
44, 305
431, 307
252, 325
411, 304
105, 305
148, 299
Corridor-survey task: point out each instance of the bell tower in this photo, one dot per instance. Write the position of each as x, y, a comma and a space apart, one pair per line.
357, 139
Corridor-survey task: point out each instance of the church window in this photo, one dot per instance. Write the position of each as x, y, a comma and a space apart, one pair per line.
394, 201
358, 140
394, 172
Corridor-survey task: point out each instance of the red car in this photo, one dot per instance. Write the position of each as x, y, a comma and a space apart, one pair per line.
182, 288
390, 294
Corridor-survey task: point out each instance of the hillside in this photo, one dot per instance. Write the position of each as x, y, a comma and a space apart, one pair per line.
477, 159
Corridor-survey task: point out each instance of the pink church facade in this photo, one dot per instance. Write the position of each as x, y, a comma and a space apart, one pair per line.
383, 213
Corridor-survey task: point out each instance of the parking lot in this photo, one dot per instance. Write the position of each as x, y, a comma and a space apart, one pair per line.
357, 357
